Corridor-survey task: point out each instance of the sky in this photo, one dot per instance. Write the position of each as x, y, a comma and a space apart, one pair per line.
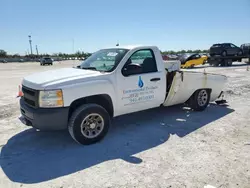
88, 25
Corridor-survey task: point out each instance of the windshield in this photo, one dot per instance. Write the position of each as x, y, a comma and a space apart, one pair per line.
104, 60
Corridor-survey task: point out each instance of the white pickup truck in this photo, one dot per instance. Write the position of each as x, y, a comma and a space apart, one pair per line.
111, 82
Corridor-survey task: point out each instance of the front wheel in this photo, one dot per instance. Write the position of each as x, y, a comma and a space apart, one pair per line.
240, 53
199, 100
89, 124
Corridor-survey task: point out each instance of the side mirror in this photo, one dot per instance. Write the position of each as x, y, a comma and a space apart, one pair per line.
132, 69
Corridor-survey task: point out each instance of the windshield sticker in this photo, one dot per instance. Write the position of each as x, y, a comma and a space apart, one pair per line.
112, 54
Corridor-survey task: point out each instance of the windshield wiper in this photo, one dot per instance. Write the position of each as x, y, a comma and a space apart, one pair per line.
89, 68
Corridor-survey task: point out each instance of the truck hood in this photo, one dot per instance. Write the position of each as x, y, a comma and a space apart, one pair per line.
45, 79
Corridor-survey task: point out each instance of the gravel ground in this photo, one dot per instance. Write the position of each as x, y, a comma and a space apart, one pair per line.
164, 147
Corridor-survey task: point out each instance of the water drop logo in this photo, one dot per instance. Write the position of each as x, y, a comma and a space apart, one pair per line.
140, 82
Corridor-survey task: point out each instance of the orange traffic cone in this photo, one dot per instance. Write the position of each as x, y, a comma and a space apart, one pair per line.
20, 93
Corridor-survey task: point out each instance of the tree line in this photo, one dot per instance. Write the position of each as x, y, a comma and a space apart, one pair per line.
81, 54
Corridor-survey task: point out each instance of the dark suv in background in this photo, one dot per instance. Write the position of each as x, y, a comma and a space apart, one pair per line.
46, 61
225, 49
246, 49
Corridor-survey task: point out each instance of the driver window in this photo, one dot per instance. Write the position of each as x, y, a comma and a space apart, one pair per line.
197, 56
142, 61
192, 57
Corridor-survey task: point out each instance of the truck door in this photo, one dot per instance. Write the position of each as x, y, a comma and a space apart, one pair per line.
141, 84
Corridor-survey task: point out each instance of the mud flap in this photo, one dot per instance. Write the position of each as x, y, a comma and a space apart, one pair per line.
221, 99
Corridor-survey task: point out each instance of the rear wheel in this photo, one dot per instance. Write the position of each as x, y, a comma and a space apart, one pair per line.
89, 124
229, 62
200, 100
191, 66
224, 53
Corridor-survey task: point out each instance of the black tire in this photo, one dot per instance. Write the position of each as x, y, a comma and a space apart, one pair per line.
240, 53
191, 66
77, 117
194, 101
224, 63
229, 62
224, 53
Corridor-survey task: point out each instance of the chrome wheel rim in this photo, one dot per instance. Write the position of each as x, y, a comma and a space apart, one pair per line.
92, 125
202, 97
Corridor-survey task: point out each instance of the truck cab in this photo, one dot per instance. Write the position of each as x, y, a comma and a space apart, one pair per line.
111, 82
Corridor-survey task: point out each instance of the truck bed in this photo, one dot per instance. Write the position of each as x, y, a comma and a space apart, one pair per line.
184, 83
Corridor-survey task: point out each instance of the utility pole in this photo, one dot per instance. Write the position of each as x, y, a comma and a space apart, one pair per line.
37, 51
30, 41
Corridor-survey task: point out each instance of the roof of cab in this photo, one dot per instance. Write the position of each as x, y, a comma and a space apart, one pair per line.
130, 47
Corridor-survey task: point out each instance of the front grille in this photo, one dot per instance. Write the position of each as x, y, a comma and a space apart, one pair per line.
30, 96
28, 91
30, 102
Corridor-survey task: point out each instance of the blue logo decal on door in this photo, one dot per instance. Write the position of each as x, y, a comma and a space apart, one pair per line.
140, 82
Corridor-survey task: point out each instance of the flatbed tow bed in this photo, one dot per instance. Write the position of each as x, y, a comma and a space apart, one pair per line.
226, 60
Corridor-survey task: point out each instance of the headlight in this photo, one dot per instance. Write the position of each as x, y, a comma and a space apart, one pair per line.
51, 99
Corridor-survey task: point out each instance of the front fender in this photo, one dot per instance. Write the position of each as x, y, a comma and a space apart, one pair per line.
89, 88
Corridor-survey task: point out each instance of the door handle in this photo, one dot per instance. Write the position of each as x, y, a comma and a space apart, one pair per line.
155, 79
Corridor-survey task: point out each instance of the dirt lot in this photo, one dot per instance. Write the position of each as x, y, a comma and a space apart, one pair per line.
165, 147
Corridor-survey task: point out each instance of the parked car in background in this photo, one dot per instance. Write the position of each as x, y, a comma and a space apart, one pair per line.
173, 56
3, 61
165, 57
245, 48
191, 60
225, 49
46, 61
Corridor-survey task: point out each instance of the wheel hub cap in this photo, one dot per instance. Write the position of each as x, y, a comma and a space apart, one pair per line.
202, 97
92, 125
